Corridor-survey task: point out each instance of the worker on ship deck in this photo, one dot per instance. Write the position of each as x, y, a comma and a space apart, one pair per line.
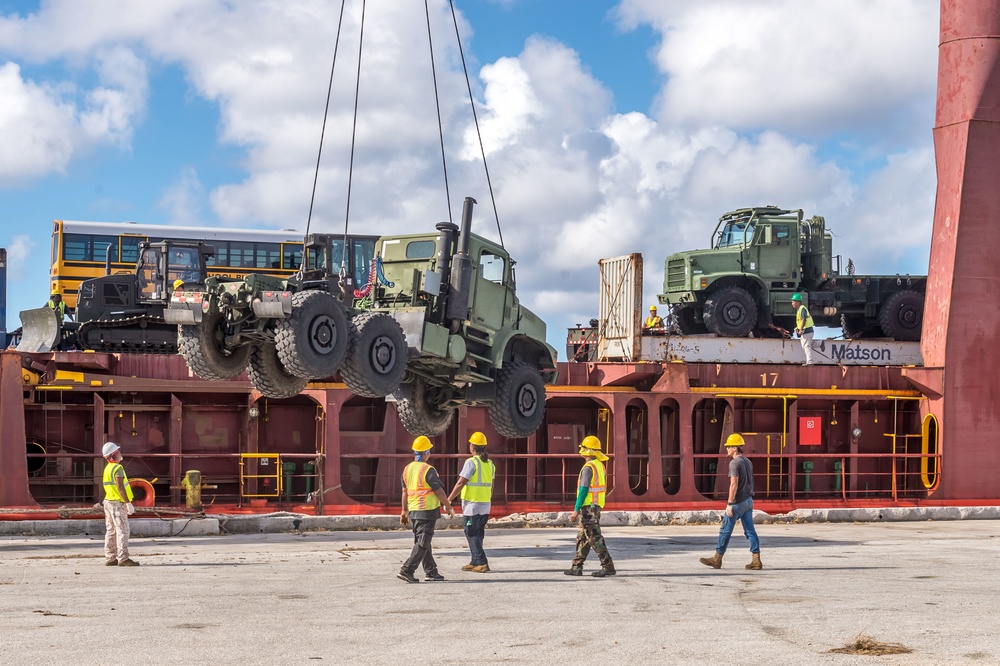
653, 323
804, 327
592, 488
422, 499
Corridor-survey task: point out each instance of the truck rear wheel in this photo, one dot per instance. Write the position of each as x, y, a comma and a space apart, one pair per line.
203, 347
520, 401
421, 415
314, 339
902, 315
378, 361
685, 320
731, 312
268, 375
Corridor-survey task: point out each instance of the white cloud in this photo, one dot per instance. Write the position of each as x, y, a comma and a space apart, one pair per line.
19, 250
183, 199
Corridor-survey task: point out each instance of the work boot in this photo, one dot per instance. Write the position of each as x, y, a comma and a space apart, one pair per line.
715, 561
407, 576
574, 571
433, 576
755, 562
605, 571
481, 568
110, 563
469, 567
128, 563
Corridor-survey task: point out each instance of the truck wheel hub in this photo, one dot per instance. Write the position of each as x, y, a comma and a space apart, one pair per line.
323, 334
527, 400
383, 354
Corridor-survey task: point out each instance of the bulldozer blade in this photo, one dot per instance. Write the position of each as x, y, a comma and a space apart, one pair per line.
39, 330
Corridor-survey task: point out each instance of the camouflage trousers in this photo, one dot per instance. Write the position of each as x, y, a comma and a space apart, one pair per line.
589, 536
116, 531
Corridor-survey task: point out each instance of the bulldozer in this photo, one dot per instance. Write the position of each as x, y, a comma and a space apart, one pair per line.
122, 312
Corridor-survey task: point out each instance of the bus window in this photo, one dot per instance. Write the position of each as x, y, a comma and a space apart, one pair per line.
88, 247
291, 257
364, 250
268, 255
241, 254
130, 249
221, 257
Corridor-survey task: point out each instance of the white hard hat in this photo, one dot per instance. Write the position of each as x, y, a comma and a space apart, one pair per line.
109, 448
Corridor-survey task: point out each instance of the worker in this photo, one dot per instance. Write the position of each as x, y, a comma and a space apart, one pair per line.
117, 508
653, 323
475, 483
56, 303
739, 506
423, 497
803, 327
591, 491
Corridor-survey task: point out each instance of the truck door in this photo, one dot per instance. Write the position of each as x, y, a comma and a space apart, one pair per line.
777, 253
491, 295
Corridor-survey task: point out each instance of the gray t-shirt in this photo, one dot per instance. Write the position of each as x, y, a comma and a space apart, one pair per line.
474, 508
434, 481
742, 469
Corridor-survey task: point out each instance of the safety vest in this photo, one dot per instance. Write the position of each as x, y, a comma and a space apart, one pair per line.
419, 496
61, 308
803, 321
111, 488
480, 487
598, 483
653, 322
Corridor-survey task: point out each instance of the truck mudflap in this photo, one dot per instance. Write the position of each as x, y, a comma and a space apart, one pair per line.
39, 330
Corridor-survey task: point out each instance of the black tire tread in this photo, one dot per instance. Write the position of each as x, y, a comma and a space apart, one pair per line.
356, 372
420, 418
293, 345
269, 377
201, 356
503, 410
887, 316
715, 323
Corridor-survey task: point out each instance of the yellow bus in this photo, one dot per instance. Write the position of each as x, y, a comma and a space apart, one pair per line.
80, 251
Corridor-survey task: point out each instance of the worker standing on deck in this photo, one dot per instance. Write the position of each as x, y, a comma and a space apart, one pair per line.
653, 323
591, 491
56, 303
117, 508
738, 507
803, 327
423, 497
475, 483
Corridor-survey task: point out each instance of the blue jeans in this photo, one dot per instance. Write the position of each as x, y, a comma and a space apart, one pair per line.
475, 530
743, 512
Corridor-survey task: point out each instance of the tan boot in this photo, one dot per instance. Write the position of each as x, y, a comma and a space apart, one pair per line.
715, 561
755, 562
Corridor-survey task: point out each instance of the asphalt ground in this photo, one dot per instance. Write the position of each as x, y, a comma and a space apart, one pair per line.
333, 597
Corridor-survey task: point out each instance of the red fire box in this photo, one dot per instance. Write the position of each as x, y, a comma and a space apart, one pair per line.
810, 430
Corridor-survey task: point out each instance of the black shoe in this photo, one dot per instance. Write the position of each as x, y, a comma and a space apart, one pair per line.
574, 571
601, 573
408, 577
433, 576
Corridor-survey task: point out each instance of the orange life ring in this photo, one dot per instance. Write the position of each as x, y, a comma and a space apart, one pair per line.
149, 498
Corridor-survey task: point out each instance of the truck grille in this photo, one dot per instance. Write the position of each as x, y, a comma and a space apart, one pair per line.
676, 275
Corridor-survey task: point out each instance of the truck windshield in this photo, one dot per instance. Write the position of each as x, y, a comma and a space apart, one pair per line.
736, 232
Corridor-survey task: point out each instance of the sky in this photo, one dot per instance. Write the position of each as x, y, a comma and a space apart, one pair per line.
608, 127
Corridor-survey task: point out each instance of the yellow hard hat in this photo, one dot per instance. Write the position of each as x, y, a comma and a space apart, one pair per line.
477, 439
735, 440
178, 283
421, 444
55, 292
652, 308
591, 442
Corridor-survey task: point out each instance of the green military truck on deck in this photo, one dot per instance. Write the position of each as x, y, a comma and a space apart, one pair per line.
759, 258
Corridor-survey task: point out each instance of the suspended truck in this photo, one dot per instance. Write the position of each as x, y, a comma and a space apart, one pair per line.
759, 258
438, 326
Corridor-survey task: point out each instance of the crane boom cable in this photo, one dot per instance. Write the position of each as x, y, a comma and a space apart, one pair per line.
475, 118
354, 132
437, 104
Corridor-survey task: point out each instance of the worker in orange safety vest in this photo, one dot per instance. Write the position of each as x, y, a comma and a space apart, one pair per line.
422, 500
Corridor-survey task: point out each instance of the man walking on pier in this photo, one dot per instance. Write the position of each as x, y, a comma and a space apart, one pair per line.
423, 497
475, 483
738, 507
591, 491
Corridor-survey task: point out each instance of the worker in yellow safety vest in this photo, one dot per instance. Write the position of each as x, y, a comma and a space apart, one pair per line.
804, 327
653, 323
422, 499
592, 489
117, 508
475, 483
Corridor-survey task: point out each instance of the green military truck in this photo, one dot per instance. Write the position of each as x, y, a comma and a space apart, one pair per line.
438, 326
759, 258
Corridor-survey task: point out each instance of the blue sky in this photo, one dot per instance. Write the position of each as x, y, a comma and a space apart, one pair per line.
610, 127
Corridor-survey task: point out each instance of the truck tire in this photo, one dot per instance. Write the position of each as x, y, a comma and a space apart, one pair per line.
314, 339
685, 320
420, 416
268, 375
202, 346
902, 315
519, 406
731, 312
855, 328
378, 360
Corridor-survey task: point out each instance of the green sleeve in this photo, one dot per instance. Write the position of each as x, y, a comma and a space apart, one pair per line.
581, 494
